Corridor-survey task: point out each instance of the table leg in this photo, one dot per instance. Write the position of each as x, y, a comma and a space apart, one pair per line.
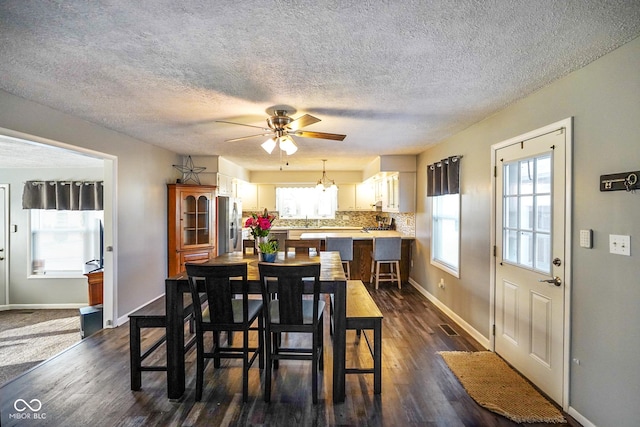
339, 341
175, 340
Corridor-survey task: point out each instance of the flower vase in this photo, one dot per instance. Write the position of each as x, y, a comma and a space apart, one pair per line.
258, 240
269, 257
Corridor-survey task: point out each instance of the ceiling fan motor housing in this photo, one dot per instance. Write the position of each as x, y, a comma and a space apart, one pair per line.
279, 120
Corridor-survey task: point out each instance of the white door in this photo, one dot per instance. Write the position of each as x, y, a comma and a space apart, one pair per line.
530, 259
4, 250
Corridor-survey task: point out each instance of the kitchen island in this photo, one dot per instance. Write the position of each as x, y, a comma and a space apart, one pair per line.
362, 246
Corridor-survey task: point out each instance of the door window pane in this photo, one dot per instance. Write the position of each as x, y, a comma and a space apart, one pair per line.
526, 176
527, 213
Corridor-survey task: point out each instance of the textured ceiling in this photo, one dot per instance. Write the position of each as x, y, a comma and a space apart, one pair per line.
394, 76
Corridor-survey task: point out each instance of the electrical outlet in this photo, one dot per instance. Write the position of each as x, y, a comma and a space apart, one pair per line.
620, 245
441, 284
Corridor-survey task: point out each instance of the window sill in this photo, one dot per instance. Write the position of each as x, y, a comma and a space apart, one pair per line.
447, 268
57, 276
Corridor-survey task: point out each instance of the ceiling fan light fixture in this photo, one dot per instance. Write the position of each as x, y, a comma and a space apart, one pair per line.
269, 145
287, 145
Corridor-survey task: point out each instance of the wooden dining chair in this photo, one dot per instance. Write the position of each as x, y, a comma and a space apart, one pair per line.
225, 312
302, 246
289, 311
248, 246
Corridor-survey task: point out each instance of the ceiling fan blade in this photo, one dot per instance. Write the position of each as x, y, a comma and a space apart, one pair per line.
241, 124
302, 121
247, 137
321, 135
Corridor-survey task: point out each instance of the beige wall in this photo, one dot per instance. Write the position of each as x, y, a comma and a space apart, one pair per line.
140, 185
604, 99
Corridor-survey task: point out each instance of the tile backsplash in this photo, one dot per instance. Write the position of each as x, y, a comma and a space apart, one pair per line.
404, 222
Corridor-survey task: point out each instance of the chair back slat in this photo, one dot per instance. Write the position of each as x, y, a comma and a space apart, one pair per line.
217, 287
286, 281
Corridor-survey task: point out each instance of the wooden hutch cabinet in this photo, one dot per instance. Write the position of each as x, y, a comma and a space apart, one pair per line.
191, 220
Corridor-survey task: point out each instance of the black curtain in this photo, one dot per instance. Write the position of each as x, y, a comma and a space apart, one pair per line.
443, 177
63, 195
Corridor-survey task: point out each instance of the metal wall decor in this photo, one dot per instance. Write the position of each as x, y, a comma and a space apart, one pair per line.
189, 171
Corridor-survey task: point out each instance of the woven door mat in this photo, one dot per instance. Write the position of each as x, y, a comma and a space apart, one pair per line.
496, 386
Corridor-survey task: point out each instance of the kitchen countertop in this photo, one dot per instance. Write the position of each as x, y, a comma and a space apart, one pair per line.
323, 227
356, 235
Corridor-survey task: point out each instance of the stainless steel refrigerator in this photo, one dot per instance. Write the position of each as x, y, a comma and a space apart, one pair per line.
229, 224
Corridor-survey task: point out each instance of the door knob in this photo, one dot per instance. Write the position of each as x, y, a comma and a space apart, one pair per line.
555, 281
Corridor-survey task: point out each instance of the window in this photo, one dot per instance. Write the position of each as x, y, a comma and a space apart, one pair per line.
445, 237
63, 241
527, 213
306, 202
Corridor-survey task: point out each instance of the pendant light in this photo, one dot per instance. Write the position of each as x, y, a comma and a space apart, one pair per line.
324, 182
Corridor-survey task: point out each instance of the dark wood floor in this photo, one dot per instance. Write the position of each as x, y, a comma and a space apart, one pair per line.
88, 385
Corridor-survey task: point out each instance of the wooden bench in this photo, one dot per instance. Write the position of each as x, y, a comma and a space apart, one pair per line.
363, 314
152, 315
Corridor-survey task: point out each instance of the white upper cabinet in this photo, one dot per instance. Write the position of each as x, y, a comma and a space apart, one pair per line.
365, 197
226, 186
267, 197
399, 192
249, 194
346, 197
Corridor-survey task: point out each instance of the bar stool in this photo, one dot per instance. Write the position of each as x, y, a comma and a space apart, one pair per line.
386, 250
344, 245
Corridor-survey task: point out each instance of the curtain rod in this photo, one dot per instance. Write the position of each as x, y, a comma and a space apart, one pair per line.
78, 183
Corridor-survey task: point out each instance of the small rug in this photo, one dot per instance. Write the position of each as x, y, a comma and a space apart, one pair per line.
496, 386
29, 337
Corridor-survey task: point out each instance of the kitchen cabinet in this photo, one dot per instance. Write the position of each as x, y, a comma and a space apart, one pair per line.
399, 192
226, 185
378, 189
266, 197
256, 197
191, 218
346, 197
248, 193
365, 197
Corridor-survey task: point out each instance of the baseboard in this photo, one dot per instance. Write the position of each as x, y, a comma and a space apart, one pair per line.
43, 306
579, 418
124, 319
484, 341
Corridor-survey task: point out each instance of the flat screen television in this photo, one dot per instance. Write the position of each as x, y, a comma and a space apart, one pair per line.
98, 262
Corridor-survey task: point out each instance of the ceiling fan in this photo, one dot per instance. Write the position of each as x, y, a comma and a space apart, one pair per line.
281, 128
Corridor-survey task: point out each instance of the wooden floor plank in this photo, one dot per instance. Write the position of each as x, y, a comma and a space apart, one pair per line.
88, 385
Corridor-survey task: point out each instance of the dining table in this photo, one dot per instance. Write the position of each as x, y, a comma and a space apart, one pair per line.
332, 281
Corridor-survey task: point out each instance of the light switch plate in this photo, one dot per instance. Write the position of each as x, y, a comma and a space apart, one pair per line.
586, 239
620, 245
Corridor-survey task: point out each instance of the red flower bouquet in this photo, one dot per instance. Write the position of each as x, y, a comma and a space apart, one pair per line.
260, 224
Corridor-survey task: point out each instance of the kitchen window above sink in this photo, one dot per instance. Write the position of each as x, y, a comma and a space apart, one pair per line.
306, 203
